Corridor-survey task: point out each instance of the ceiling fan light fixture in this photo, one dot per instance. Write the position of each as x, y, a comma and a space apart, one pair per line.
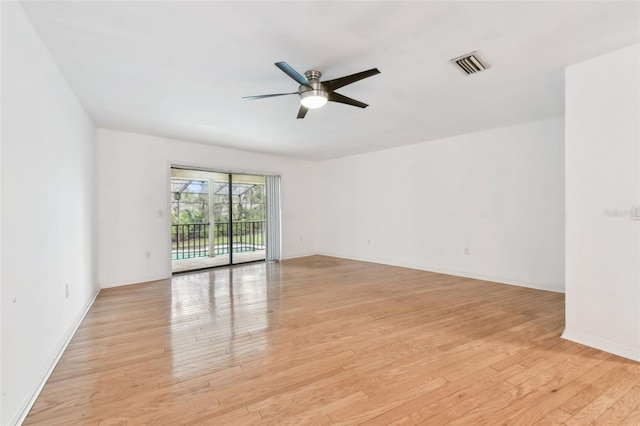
313, 99
314, 93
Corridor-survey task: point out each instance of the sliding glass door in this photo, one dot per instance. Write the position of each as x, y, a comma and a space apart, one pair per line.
248, 218
218, 219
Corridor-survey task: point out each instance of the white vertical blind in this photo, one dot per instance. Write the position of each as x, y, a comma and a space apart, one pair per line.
273, 217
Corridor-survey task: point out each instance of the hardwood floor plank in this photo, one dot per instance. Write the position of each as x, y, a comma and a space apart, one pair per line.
610, 396
632, 419
560, 395
453, 394
374, 406
460, 410
304, 416
519, 399
594, 390
555, 417
621, 409
321, 340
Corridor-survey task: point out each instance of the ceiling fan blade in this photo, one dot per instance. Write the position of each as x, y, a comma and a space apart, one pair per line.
249, 98
337, 97
286, 68
343, 81
302, 111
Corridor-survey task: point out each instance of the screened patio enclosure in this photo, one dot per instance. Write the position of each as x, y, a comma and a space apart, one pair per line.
216, 219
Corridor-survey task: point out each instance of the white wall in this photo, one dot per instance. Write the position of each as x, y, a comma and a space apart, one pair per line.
48, 210
602, 183
134, 215
498, 192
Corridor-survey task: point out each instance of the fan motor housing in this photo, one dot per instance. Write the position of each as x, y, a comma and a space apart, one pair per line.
312, 75
316, 95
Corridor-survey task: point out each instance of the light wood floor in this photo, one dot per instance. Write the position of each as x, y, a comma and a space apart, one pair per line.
320, 340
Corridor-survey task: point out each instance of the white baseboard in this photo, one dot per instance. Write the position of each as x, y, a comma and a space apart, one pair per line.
297, 256
55, 357
553, 287
137, 280
602, 344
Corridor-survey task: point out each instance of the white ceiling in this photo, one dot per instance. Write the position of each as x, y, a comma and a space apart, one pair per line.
178, 69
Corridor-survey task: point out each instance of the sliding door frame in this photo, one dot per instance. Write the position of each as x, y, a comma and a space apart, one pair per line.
272, 240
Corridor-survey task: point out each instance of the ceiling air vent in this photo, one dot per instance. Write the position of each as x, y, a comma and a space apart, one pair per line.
470, 63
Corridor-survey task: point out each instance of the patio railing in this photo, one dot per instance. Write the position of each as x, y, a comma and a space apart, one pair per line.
192, 240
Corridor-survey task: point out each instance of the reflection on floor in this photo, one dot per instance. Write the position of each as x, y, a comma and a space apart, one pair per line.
220, 260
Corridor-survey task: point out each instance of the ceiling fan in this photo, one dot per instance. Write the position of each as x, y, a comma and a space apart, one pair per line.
315, 93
